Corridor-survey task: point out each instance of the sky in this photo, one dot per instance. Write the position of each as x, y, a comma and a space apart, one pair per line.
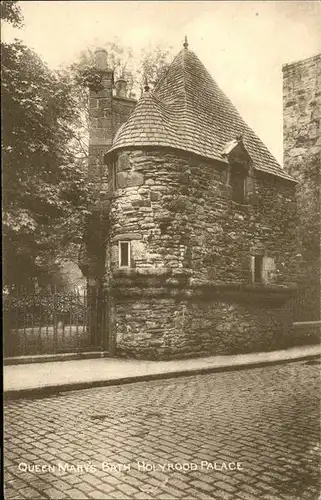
243, 44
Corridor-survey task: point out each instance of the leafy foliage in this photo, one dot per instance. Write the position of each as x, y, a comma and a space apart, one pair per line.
45, 192
90, 77
150, 63
38, 309
11, 13
154, 63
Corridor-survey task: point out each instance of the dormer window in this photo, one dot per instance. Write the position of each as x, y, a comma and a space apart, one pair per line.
114, 175
239, 168
238, 178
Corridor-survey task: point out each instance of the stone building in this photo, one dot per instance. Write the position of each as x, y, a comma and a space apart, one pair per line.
302, 160
194, 239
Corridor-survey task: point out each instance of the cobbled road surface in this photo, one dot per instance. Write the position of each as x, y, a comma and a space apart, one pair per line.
168, 439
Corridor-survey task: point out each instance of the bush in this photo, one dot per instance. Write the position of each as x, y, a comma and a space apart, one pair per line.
41, 309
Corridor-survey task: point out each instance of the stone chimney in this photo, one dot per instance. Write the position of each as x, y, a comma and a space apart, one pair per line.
100, 117
121, 88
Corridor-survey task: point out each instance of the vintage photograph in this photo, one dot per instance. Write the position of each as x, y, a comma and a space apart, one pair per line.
161, 173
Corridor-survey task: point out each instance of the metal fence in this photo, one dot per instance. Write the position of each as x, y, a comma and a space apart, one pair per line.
52, 322
308, 300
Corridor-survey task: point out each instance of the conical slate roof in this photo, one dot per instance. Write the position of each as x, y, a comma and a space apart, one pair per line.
187, 110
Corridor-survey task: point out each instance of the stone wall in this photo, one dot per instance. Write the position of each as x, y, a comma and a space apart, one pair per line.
302, 159
107, 113
169, 328
177, 210
100, 127
186, 234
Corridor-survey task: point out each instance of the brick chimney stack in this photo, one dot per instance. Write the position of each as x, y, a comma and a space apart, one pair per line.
100, 118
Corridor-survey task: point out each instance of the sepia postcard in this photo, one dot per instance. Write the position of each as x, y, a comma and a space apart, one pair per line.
161, 168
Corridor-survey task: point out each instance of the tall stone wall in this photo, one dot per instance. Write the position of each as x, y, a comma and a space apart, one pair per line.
191, 244
302, 159
107, 112
100, 127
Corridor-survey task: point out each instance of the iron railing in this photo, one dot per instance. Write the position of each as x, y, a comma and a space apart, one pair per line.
307, 303
52, 322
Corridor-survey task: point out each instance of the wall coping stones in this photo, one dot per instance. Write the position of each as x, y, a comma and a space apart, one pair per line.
130, 100
132, 272
134, 293
257, 287
127, 236
184, 288
182, 278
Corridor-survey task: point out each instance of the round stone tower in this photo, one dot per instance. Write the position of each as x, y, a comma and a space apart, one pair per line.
201, 245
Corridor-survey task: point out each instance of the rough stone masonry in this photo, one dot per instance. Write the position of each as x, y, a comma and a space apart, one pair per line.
302, 159
199, 221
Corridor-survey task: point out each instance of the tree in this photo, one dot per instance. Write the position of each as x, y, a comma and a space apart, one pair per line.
154, 62
151, 63
45, 191
11, 13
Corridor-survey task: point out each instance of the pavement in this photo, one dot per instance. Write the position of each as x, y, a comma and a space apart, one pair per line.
250, 434
36, 379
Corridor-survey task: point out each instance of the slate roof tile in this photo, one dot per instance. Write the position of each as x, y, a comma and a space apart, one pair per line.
187, 110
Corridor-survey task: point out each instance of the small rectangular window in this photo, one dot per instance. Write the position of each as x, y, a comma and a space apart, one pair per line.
258, 269
124, 254
112, 176
237, 181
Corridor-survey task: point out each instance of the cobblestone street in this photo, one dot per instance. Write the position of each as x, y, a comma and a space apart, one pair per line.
171, 439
